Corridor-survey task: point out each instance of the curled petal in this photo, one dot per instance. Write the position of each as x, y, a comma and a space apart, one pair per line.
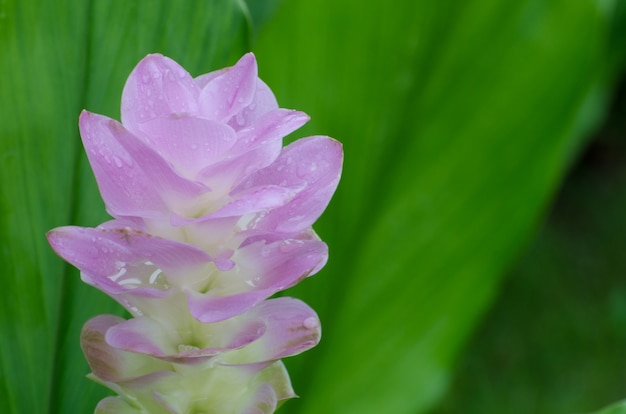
124, 186
183, 343
223, 176
270, 331
231, 91
107, 362
157, 87
121, 260
254, 200
272, 127
257, 146
134, 180
263, 102
261, 270
292, 327
313, 163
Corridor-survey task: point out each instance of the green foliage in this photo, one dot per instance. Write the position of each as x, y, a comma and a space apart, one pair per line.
554, 340
458, 121
619, 408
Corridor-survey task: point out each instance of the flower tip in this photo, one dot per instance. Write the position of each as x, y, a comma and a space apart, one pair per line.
84, 113
248, 58
151, 57
55, 234
52, 236
247, 64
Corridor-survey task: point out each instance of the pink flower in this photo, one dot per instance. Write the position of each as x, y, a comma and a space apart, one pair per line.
212, 216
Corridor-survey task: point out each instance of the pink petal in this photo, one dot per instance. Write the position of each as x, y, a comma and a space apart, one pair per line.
261, 271
313, 163
255, 200
211, 309
134, 180
203, 80
141, 335
263, 103
107, 362
157, 87
271, 127
257, 146
125, 187
189, 143
225, 175
292, 327
122, 260
229, 93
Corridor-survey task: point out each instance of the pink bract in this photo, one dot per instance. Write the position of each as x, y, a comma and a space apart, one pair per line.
211, 217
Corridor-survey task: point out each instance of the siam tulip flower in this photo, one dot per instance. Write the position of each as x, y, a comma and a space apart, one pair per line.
211, 217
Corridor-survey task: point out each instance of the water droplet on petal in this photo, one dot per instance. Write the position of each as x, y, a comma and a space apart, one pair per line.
117, 161
158, 280
311, 323
187, 348
289, 246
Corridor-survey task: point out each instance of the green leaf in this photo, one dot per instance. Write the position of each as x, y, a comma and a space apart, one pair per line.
458, 122
59, 57
617, 408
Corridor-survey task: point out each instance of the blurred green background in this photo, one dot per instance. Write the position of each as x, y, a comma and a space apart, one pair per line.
476, 237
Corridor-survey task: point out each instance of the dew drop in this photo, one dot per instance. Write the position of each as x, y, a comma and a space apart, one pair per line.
311, 323
121, 272
117, 161
187, 348
158, 280
289, 246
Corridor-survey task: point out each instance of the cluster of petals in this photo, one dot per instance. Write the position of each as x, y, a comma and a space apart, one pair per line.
212, 216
